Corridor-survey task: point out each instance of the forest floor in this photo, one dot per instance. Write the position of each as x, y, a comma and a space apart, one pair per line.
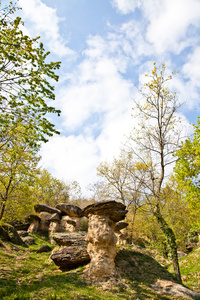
26, 274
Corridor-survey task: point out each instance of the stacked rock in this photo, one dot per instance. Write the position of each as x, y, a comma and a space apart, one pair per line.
101, 238
72, 250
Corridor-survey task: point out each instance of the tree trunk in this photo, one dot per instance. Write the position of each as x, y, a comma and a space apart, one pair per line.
171, 241
2, 208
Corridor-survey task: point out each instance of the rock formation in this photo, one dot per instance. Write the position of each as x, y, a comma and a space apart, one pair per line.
72, 250
102, 239
46, 208
35, 223
71, 221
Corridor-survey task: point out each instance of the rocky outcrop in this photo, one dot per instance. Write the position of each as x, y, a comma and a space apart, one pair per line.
102, 239
72, 251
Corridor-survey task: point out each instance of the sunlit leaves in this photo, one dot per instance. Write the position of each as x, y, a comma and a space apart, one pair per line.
24, 78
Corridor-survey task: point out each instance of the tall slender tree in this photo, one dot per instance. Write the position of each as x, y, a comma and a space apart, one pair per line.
150, 151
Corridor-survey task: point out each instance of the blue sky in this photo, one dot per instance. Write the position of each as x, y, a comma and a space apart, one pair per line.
106, 47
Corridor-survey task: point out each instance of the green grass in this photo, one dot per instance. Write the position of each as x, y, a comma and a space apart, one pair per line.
25, 274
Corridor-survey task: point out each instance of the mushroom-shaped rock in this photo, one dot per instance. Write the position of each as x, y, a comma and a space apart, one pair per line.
69, 224
54, 226
102, 239
44, 224
46, 208
120, 225
70, 210
35, 223
115, 210
70, 239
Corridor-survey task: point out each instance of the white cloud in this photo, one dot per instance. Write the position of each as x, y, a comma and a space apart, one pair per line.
96, 100
126, 6
169, 22
71, 158
45, 22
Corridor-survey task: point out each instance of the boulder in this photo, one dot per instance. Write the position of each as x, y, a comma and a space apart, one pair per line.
28, 240
70, 239
22, 233
169, 287
70, 210
115, 210
46, 208
44, 248
71, 257
9, 233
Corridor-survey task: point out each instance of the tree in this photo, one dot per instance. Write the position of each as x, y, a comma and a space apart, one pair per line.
152, 146
18, 162
48, 189
25, 76
154, 143
187, 171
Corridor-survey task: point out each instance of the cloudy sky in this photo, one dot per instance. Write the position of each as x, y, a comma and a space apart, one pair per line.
106, 47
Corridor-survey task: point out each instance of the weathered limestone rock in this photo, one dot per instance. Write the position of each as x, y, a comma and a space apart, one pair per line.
44, 248
102, 239
45, 220
70, 239
71, 257
69, 224
72, 251
46, 208
115, 210
101, 248
35, 223
169, 287
70, 210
